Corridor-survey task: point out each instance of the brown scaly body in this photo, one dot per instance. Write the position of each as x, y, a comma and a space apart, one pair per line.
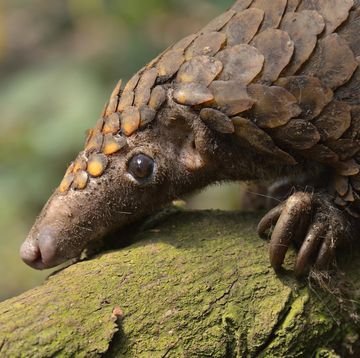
269, 89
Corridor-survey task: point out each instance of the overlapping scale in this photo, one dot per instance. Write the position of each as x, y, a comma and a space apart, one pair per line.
144, 86
333, 62
113, 143
242, 28
127, 96
208, 44
157, 97
95, 137
200, 69
322, 154
311, 94
335, 12
303, 28
130, 120
114, 99
277, 48
241, 63
274, 11
297, 134
81, 179
345, 148
97, 164
231, 97
112, 124
334, 121
217, 120
170, 63
192, 94
147, 115
274, 106
250, 133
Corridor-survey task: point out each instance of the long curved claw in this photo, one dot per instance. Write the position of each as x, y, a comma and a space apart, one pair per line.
269, 220
326, 253
291, 224
310, 246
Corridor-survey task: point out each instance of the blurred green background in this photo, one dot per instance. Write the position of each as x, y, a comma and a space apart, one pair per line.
59, 61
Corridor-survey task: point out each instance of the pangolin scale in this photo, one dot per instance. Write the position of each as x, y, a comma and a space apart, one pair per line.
267, 90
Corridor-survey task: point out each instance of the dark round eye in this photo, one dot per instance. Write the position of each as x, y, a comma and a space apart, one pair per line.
141, 166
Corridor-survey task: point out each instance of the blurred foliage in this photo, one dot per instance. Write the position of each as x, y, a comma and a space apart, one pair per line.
59, 61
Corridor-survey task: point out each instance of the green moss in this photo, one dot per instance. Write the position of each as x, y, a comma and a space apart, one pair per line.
326, 353
296, 311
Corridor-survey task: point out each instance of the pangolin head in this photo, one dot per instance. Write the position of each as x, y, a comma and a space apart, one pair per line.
142, 153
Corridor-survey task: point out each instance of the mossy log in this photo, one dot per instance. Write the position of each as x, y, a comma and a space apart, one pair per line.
197, 284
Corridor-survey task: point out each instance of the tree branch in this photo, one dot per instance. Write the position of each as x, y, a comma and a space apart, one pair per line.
195, 284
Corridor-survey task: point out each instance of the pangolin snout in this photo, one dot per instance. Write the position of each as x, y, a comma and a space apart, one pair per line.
41, 252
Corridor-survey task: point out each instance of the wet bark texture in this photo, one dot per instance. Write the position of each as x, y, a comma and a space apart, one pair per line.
197, 284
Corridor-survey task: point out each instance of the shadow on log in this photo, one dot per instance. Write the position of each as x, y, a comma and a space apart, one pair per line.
197, 284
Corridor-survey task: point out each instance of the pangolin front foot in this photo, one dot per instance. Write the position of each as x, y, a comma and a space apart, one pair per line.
312, 223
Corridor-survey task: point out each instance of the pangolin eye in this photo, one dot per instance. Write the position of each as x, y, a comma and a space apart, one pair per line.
141, 166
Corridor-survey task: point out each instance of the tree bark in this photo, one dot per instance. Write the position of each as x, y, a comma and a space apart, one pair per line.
197, 284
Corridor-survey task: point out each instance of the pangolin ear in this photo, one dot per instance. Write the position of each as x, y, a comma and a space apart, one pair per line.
190, 155
190, 138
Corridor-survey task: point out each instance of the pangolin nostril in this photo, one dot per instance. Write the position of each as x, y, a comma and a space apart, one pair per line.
30, 253
47, 241
40, 252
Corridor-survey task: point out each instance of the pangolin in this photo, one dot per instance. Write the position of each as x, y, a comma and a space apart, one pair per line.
267, 90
